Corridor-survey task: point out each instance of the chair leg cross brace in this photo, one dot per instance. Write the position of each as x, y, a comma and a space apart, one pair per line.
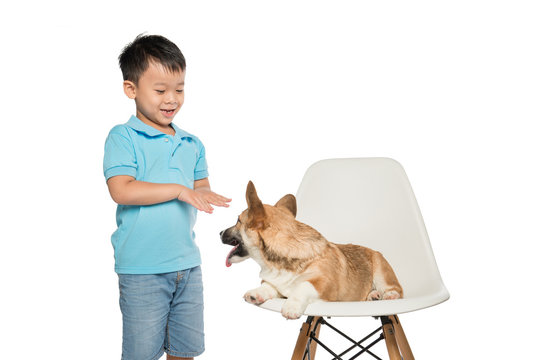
391, 331
356, 344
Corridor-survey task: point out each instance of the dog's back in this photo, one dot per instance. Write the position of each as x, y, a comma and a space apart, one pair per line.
346, 272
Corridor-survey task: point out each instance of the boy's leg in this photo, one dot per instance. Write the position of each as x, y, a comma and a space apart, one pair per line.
145, 304
185, 329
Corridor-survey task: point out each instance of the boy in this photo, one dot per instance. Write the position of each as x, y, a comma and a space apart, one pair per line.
157, 173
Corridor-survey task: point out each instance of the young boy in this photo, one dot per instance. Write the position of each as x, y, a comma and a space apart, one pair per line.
157, 173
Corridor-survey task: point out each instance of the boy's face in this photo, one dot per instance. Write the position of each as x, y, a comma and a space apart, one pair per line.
158, 96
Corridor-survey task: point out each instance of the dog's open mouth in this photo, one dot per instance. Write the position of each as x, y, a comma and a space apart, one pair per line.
236, 250
238, 253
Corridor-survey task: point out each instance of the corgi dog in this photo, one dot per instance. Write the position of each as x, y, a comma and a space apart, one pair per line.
299, 264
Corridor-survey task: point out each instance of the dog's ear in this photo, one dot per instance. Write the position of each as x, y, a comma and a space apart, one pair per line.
256, 213
288, 202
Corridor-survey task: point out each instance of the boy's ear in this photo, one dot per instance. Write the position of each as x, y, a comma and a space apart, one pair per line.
130, 89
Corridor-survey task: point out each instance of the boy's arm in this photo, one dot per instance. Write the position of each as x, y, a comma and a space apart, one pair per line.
125, 190
202, 184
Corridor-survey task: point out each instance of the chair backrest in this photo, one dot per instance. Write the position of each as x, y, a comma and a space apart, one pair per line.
369, 202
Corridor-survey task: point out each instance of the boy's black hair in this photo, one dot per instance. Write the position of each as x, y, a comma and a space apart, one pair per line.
136, 56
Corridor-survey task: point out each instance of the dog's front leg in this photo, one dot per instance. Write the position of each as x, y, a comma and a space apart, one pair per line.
302, 295
261, 294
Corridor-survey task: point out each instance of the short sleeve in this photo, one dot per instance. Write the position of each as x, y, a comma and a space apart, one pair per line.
120, 158
201, 167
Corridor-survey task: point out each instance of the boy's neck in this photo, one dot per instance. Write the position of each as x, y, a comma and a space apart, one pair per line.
166, 129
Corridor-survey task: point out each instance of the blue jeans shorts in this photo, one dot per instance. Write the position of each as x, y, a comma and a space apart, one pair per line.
162, 313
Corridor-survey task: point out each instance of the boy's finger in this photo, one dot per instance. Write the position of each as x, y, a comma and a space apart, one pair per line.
224, 198
207, 206
219, 202
200, 205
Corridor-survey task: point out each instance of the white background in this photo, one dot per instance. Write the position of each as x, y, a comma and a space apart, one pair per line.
449, 89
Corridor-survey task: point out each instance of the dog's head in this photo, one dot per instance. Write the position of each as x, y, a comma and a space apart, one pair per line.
257, 223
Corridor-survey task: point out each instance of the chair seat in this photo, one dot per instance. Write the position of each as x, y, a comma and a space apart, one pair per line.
365, 308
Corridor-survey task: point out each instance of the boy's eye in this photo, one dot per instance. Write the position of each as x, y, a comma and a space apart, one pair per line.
160, 91
179, 91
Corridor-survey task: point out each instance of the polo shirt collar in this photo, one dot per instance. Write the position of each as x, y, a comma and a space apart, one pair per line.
180, 133
136, 124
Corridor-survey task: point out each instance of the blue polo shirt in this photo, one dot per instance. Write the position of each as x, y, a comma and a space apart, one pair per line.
158, 238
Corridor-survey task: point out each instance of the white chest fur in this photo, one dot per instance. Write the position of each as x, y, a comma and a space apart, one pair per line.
282, 280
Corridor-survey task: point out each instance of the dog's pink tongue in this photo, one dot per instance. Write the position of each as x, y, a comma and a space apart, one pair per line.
228, 263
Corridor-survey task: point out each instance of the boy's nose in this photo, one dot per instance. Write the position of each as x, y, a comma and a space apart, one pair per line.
170, 98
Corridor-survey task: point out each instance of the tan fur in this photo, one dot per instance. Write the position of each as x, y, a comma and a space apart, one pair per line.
283, 245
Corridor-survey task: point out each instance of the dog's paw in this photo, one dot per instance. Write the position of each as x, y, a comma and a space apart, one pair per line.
391, 295
253, 298
374, 295
293, 309
259, 295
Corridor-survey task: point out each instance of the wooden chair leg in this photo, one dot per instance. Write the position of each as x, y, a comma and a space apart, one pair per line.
391, 342
303, 338
314, 344
401, 339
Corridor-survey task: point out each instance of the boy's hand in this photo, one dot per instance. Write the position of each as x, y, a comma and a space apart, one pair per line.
213, 198
203, 199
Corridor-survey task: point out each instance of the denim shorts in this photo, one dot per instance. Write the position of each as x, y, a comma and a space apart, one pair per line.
162, 313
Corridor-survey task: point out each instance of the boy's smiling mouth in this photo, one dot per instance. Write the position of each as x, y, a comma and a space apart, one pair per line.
168, 113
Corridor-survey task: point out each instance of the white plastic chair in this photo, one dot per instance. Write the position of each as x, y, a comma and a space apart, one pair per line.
368, 201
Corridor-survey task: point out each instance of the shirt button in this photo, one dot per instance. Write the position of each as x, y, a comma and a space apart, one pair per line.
166, 139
